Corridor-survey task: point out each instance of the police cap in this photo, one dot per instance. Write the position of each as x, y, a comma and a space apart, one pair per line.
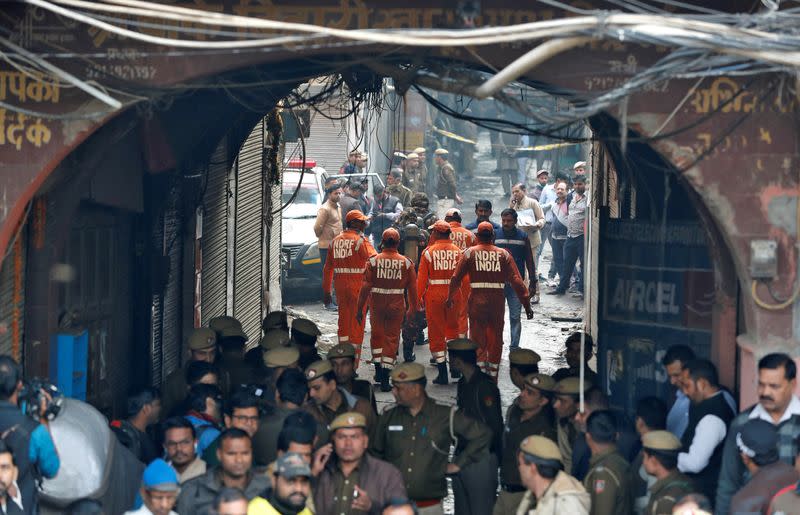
523, 357
232, 331
342, 350
407, 372
420, 150
661, 441
274, 338
462, 344
274, 320
540, 447
571, 386
202, 338
413, 155
348, 420
222, 322
541, 382
440, 152
318, 369
281, 357
305, 326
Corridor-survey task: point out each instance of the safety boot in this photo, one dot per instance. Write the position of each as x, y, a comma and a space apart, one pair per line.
385, 386
442, 377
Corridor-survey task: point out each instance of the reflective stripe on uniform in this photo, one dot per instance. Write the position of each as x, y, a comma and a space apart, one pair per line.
388, 362
509, 242
343, 339
498, 286
388, 291
439, 281
348, 270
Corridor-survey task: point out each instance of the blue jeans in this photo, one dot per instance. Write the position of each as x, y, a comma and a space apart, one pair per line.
558, 255
545, 234
514, 315
573, 252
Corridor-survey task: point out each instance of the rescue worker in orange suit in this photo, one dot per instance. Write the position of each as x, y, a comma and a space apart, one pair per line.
344, 267
388, 278
436, 267
462, 238
489, 268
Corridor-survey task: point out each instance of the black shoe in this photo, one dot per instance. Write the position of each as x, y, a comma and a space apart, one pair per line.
409, 357
455, 374
556, 292
442, 377
385, 386
432, 361
377, 378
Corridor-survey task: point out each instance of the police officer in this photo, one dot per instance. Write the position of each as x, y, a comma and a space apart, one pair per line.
608, 480
446, 185
329, 400
343, 360
275, 320
478, 397
202, 343
552, 490
416, 434
232, 341
304, 336
521, 363
660, 459
530, 414
565, 404
279, 359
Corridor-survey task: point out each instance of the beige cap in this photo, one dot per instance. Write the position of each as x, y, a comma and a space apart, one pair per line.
579, 164
413, 155
572, 386
274, 338
462, 344
348, 420
661, 441
342, 350
420, 150
274, 320
318, 368
523, 357
441, 152
305, 326
540, 447
407, 372
232, 331
281, 357
541, 382
202, 338
222, 322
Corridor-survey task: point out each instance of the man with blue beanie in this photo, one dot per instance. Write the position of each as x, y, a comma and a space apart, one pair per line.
159, 489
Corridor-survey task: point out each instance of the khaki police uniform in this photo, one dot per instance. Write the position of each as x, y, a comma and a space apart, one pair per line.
358, 387
419, 444
514, 432
607, 483
565, 495
175, 388
665, 492
402, 193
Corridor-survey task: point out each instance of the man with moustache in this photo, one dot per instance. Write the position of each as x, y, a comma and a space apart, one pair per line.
292, 488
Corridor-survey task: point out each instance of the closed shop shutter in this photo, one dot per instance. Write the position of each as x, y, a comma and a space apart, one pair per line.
215, 236
248, 246
171, 298
329, 140
12, 296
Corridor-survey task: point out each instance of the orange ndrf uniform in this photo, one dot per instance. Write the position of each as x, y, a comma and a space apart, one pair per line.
386, 279
462, 238
489, 268
436, 268
344, 267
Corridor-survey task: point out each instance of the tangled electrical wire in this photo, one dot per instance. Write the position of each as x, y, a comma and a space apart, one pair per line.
704, 42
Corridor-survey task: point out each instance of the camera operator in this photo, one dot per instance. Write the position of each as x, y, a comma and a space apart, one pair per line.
34, 451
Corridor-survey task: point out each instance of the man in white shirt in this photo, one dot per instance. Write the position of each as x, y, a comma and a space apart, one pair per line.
709, 417
547, 198
159, 489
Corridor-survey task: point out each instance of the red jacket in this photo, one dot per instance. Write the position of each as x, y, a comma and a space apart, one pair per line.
390, 275
347, 255
489, 268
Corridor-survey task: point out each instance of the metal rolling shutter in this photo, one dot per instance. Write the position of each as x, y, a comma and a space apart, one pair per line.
12, 296
171, 297
329, 140
273, 261
248, 247
157, 314
215, 236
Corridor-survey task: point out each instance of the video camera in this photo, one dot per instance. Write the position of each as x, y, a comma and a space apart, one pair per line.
31, 395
